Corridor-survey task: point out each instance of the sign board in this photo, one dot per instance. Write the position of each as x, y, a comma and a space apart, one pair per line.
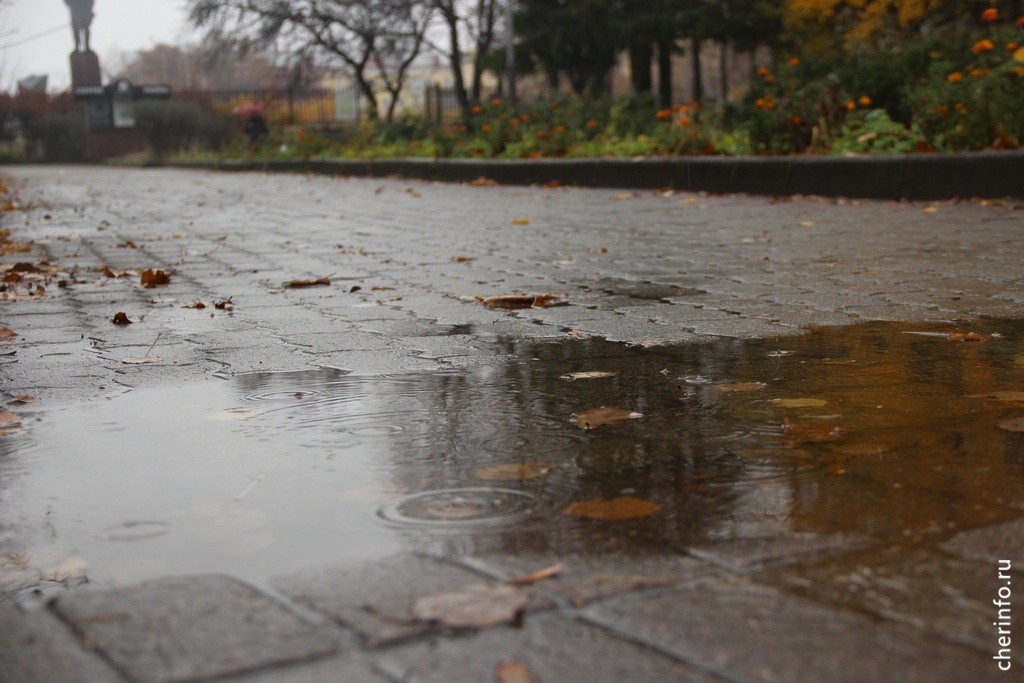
114, 105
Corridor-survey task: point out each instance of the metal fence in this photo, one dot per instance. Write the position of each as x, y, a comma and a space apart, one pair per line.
292, 106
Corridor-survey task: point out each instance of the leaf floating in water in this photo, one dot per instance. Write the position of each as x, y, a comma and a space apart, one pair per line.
800, 402
1013, 424
613, 510
517, 301
740, 386
514, 471
477, 606
1011, 396
965, 336
539, 575
812, 432
9, 422
592, 419
589, 374
121, 318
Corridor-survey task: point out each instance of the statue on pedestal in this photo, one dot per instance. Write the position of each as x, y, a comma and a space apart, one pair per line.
81, 17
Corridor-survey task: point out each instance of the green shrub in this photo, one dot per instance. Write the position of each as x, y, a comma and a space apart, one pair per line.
169, 126
61, 136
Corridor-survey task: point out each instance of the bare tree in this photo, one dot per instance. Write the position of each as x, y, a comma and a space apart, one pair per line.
476, 21
370, 37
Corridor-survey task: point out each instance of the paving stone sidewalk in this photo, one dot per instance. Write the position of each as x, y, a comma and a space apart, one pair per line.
405, 260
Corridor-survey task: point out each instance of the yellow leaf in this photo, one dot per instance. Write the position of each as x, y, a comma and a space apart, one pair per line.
613, 510
592, 419
520, 221
799, 402
514, 471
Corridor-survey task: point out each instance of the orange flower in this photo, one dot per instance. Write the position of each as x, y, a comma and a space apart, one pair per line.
983, 45
486, 128
850, 105
684, 121
1020, 22
955, 77
990, 15
664, 114
795, 61
796, 120
978, 72
496, 102
477, 109
1012, 46
942, 109
559, 129
524, 117
592, 123
553, 105
763, 72
864, 101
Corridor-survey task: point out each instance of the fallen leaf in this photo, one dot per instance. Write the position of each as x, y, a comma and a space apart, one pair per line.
613, 510
1013, 424
477, 606
965, 337
589, 374
482, 181
154, 278
141, 360
534, 577
739, 386
126, 245
463, 259
224, 304
838, 361
197, 304
520, 221
121, 318
517, 301
512, 672
930, 209
552, 185
9, 420
799, 402
22, 399
812, 432
7, 335
645, 343
623, 196
808, 224
353, 289
592, 419
308, 283
514, 471
1001, 395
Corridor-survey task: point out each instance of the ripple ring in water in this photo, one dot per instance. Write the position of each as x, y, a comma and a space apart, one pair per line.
459, 507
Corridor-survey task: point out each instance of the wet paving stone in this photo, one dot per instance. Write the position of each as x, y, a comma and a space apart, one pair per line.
376, 599
992, 543
547, 648
193, 628
754, 554
947, 597
35, 646
752, 633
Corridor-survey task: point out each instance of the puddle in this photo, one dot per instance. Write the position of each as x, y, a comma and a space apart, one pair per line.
875, 431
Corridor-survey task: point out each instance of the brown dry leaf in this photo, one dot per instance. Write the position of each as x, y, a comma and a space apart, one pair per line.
812, 432
520, 221
965, 336
517, 301
21, 399
512, 672
539, 575
552, 185
1013, 424
514, 471
592, 419
799, 402
308, 283
482, 181
224, 304
463, 259
740, 386
1012, 396
613, 510
838, 361
7, 335
9, 422
624, 196
197, 304
477, 606
589, 374
645, 343
154, 278
121, 318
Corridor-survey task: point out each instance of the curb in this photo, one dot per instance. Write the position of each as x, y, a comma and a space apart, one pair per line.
913, 177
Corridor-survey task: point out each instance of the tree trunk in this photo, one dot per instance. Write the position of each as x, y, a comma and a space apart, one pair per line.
698, 83
665, 46
640, 56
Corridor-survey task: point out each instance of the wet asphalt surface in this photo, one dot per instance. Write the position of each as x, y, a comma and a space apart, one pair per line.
379, 283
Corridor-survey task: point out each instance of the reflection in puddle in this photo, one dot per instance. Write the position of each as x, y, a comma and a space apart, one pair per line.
860, 432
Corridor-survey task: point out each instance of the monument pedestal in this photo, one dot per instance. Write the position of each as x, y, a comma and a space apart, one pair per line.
85, 69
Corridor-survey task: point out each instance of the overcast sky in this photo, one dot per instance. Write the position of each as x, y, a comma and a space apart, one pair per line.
35, 35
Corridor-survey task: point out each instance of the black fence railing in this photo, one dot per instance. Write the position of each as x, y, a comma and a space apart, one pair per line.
292, 106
